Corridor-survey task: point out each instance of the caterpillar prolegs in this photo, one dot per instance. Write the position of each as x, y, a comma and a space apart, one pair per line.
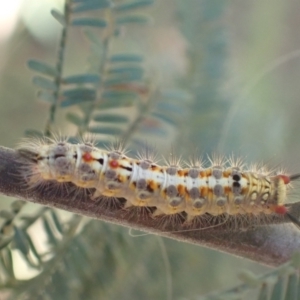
223, 187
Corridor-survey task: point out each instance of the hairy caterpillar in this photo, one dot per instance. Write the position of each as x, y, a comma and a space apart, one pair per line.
223, 188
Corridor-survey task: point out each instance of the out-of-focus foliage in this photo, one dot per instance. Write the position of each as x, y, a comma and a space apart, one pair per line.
207, 53
281, 283
174, 84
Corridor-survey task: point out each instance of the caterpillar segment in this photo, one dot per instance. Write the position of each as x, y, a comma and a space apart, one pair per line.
215, 190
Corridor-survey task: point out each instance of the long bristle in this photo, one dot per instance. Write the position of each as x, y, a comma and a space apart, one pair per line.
173, 160
148, 153
88, 139
236, 162
117, 145
195, 162
217, 160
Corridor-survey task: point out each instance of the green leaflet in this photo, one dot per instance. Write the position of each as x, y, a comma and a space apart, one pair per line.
126, 57
89, 22
17, 205
126, 71
110, 118
133, 5
123, 78
34, 252
84, 6
93, 38
7, 262
168, 118
77, 96
105, 130
110, 95
80, 92
44, 83
23, 242
74, 119
115, 103
59, 17
52, 240
8, 231
278, 289
135, 19
74, 101
56, 221
6, 214
46, 96
20, 241
41, 67
292, 290
81, 79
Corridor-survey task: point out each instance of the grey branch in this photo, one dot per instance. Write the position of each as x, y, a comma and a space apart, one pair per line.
270, 244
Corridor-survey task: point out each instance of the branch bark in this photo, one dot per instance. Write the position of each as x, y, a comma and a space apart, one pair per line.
270, 244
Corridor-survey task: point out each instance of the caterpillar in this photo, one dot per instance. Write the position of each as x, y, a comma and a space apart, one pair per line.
224, 187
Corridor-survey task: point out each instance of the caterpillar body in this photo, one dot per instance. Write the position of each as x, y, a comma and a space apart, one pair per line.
221, 188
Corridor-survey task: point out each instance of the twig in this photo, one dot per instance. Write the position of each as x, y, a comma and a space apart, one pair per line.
268, 244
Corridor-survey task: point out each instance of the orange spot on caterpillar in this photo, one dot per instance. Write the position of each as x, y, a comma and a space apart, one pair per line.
181, 173
113, 164
122, 178
87, 157
155, 168
227, 189
203, 174
152, 185
245, 191
226, 174
286, 179
280, 209
181, 189
204, 192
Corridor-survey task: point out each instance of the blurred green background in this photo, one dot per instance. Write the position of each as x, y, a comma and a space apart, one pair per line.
240, 59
